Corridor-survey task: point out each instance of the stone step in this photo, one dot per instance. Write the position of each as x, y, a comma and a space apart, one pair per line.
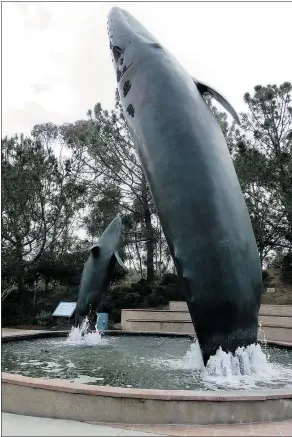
156, 315
270, 333
275, 321
276, 310
267, 310
178, 306
184, 316
285, 322
276, 333
158, 326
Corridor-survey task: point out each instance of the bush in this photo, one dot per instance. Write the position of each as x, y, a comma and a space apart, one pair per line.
17, 308
286, 273
132, 292
128, 280
153, 300
266, 277
44, 318
169, 278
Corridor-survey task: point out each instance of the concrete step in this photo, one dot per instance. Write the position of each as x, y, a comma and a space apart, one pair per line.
184, 316
157, 315
265, 310
178, 306
158, 326
275, 333
276, 310
272, 333
275, 321
285, 322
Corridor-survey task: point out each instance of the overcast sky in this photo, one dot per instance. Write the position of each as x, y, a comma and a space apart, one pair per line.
56, 62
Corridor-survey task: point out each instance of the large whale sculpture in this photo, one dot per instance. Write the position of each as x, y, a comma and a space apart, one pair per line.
98, 269
194, 186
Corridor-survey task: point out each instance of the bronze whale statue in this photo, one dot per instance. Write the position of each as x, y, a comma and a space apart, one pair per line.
193, 184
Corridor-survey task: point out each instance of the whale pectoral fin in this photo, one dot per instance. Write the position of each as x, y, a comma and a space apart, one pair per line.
204, 88
119, 260
95, 250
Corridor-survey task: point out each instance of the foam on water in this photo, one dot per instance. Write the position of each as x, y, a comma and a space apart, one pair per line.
248, 367
85, 379
52, 370
80, 336
52, 364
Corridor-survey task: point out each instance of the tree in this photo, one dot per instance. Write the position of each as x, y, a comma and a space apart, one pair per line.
263, 161
261, 151
114, 178
110, 144
40, 197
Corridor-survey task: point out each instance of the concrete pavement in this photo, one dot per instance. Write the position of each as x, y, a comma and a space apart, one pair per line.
16, 425
7, 332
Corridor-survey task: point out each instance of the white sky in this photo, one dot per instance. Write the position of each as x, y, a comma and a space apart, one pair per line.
56, 62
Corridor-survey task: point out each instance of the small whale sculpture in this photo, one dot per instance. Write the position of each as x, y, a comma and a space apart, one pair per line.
98, 270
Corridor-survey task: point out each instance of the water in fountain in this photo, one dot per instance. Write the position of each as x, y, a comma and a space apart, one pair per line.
247, 367
81, 336
147, 362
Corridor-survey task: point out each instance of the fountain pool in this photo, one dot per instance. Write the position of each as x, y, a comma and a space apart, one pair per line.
143, 379
147, 362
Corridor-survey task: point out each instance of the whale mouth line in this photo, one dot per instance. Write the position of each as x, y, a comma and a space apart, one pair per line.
123, 74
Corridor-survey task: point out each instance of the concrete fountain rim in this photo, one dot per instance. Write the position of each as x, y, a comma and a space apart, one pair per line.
121, 392
145, 393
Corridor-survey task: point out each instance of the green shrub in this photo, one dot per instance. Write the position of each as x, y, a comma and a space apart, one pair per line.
266, 277
44, 318
286, 273
127, 294
154, 300
169, 278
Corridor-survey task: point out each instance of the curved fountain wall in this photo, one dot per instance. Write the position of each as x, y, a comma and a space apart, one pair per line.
65, 400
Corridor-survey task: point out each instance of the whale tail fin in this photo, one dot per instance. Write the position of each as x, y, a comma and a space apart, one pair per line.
119, 260
204, 88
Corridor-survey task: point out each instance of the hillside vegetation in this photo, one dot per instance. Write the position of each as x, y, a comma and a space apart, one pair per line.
283, 290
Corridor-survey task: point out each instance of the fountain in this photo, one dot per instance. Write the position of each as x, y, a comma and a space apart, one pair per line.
130, 378
144, 379
82, 335
147, 362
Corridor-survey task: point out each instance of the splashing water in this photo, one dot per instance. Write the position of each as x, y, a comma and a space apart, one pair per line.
248, 367
80, 335
246, 361
264, 340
